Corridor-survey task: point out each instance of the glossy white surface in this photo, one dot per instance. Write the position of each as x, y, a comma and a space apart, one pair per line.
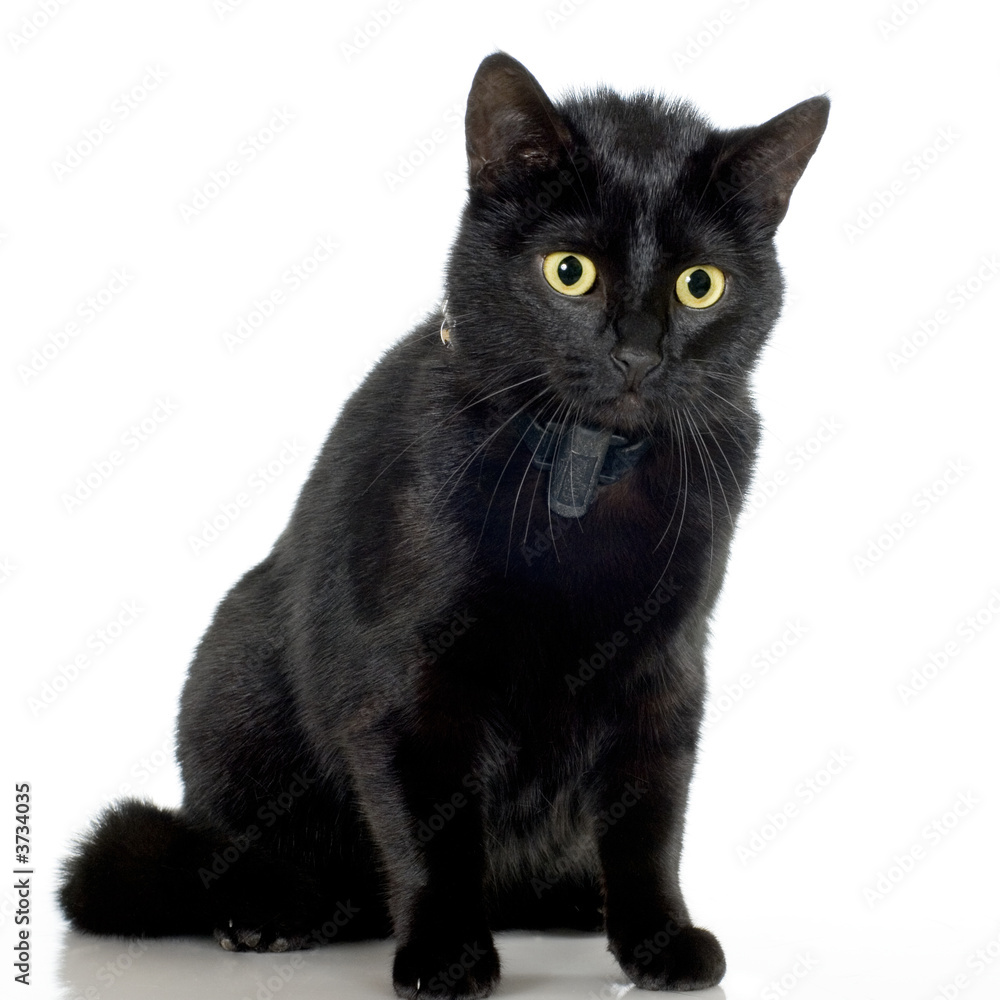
766, 962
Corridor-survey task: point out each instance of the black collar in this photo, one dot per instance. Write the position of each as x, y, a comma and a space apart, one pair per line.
581, 458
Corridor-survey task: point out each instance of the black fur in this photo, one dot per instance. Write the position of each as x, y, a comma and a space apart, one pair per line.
438, 709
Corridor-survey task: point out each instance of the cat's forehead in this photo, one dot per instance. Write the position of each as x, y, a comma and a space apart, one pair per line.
644, 181
641, 139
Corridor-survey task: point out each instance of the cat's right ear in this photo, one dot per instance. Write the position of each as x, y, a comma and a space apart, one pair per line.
511, 127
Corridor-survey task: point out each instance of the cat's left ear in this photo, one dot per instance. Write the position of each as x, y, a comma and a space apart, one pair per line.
762, 165
511, 126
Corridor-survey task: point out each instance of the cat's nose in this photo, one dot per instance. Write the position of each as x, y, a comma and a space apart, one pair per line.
635, 362
637, 352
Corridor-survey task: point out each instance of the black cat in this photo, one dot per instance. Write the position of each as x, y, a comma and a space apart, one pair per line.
463, 692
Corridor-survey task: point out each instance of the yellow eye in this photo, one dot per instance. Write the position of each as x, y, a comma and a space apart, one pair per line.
569, 273
700, 287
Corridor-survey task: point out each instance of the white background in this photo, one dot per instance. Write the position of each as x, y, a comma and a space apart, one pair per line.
909, 159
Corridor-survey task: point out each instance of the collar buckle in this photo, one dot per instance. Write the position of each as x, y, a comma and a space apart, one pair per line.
579, 459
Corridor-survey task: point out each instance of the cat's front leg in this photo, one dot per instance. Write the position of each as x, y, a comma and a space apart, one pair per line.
425, 813
640, 823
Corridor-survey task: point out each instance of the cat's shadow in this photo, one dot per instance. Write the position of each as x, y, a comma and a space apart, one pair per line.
553, 966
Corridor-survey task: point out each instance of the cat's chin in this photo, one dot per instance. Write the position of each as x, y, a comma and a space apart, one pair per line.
626, 414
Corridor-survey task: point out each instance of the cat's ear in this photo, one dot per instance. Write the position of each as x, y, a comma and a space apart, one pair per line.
761, 165
511, 126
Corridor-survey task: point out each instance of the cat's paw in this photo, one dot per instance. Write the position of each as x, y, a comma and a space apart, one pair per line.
234, 937
672, 958
458, 970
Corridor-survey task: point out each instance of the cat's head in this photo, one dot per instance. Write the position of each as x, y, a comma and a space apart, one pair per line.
615, 265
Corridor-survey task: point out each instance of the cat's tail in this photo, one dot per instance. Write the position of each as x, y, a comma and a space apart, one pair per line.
146, 872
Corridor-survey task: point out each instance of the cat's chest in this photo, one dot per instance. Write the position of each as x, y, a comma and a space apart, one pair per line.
633, 527
535, 788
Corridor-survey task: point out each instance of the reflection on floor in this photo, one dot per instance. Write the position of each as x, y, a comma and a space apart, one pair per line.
552, 966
